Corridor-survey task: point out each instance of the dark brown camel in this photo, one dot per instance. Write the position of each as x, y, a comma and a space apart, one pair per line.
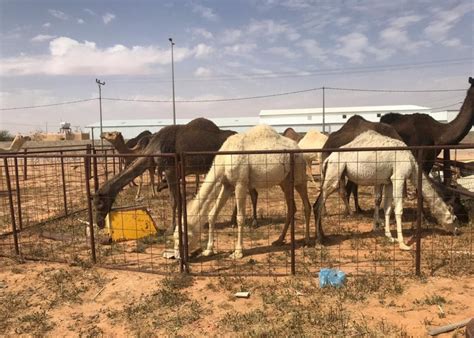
133, 141
423, 130
292, 134
198, 135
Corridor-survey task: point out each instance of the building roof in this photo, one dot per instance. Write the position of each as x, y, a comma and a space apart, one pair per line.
338, 110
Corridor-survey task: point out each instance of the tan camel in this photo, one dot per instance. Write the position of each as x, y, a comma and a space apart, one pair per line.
379, 168
116, 139
312, 140
241, 172
16, 144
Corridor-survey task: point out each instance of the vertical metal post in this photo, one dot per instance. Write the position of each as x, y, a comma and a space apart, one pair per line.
182, 260
292, 213
100, 84
419, 209
92, 134
63, 178
95, 171
18, 196
446, 167
172, 79
25, 166
324, 109
12, 209
113, 161
89, 206
106, 165
87, 160
184, 211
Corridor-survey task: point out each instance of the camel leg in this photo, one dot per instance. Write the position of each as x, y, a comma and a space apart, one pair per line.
377, 202
139, 190
151, 171
285, 186
345, 198
254, 198
240, 196
398, 197
197, 184
387, 207
224, 195
303, 192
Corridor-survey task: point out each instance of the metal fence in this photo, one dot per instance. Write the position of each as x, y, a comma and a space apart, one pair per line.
46, 213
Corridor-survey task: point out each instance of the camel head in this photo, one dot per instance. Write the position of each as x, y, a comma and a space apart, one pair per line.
450, 221
111, 136
471, 81
102, 205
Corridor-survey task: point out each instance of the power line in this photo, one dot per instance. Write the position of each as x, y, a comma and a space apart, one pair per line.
50, 104
396, 90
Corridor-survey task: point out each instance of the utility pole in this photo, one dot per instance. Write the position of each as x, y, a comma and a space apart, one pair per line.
172, 79
324, 111
100, 84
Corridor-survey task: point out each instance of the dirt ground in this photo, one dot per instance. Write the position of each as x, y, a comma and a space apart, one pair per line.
58, 300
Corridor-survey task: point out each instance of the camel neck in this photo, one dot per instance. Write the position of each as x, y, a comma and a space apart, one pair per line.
458, 128
121, 147
113, 186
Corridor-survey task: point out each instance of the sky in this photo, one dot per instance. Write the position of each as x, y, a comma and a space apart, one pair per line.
53, 51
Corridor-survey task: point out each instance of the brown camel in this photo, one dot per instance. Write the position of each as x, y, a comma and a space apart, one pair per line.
134, 141
116, 139
292, 134
423, 130
16, 144
198, 135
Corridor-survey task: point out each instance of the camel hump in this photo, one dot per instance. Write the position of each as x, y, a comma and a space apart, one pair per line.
471, 80
203, 124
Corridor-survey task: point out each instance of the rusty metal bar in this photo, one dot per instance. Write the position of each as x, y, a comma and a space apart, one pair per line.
182, 260
419, 209
63, 179
89, 208
12, 208
292, 213
184, 211
18, 195
95, 171
106, 165
447, 175
25, 166
87, 159
113, 161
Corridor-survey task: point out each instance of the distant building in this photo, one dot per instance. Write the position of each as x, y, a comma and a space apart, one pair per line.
299, 119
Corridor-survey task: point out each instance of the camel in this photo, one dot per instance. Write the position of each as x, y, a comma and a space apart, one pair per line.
16, 144
312, 140
198, 135
379, 168
133, 141
355, 126
422, 129
116, 139
292, 134
241, 172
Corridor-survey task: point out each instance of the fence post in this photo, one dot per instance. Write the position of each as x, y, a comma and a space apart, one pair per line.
63, 178
95, 171
18, 196
12, 209
184, 210
106, 165
113, 161
419, 209
182, 260
87, 161
89, 207
292, 213
25, 166
446, 167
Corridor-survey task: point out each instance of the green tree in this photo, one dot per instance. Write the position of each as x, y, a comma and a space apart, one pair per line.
5, 135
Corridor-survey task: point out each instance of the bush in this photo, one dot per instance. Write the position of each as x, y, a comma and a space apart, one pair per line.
5, 135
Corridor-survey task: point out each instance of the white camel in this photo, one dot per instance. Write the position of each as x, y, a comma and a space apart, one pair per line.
241, 172
379, 168
16, 144
312, 140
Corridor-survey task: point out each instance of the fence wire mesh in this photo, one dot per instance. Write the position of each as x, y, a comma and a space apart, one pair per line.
44, 215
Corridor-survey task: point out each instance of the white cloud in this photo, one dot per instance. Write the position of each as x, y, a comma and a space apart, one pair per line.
205, 12
108, 17
404, 21
444, 20
240, 48
202, 50
42, 38
58, 14
231, 35
90, 11
454, 42
46, 25
272, 30
202, 72
353, 46
201, 32
283, 52
396, 36
312, 48
80, 21
70, 57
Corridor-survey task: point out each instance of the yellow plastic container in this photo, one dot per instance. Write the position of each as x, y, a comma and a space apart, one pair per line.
128, 224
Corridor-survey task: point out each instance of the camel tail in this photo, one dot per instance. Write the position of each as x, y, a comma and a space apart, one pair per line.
199, 207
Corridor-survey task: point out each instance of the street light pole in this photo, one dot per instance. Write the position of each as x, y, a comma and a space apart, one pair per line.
100, 84
172, 79
324, 110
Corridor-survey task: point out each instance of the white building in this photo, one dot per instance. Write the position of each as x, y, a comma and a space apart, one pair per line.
299, 119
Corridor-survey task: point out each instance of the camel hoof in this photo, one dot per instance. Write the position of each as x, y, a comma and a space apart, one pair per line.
237, 254
208, 252
254, 224
404, 247
278, 242
391, 239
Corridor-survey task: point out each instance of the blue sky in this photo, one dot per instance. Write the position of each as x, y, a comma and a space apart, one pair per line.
52, 51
